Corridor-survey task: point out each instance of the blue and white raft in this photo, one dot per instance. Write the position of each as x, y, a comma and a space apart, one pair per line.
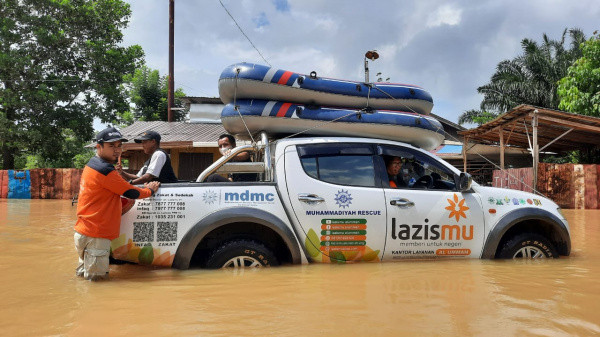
281, 118
253, 81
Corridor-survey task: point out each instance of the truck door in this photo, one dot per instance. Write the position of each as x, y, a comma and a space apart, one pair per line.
337, 200
426, 216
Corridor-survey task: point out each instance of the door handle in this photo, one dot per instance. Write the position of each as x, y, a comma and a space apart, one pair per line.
402, 203
310, 198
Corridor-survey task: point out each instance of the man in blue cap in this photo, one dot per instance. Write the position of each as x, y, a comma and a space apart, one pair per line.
158, 167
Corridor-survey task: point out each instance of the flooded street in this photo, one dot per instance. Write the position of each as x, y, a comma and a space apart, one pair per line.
41, 296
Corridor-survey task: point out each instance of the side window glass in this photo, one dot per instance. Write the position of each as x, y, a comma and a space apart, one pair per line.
412, 169
339, 164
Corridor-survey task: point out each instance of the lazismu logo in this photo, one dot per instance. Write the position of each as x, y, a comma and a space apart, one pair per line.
247, 196
431, 232
457, 208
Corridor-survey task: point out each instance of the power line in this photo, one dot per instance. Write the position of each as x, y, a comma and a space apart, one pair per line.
202, 91
241, 30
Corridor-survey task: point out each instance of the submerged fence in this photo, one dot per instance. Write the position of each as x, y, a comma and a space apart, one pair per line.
569, 185
40, 183
572, 186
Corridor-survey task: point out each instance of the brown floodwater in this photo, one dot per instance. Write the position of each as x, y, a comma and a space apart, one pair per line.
41, 296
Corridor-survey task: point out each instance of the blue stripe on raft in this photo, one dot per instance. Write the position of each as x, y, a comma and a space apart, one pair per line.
325, 114
19, 184
277, 76
276, 109
290, 111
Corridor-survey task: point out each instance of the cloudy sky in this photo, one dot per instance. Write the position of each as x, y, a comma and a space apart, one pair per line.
447, 47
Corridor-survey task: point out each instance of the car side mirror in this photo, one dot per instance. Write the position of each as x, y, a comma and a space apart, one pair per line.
464, 182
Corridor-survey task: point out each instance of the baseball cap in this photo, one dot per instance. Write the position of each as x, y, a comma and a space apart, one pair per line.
109, 135
147, 136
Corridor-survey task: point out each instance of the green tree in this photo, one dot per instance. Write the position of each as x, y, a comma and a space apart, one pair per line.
532, 77
61, 65
148, 93
579, 91
476, 117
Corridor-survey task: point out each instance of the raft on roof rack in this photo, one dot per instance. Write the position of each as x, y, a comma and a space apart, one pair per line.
254, 81
281, 119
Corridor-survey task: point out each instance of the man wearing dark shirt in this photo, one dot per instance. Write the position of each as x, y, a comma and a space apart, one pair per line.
157, 167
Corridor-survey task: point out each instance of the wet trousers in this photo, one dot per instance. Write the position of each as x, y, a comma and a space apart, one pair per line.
93, 257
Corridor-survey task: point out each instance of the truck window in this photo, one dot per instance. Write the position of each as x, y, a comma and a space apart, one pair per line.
342, 164
418, 170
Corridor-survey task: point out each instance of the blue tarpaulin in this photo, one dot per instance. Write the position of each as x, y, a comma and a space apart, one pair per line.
19, 184
450, 149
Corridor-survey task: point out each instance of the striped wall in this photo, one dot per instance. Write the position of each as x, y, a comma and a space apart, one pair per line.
39, 183
572, 186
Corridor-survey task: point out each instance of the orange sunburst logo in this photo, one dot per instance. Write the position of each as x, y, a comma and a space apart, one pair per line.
454, 204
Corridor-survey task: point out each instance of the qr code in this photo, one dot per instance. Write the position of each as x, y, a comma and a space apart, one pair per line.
166, 231
143, 231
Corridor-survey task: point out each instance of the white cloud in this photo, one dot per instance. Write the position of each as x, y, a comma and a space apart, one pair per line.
445, 15
449, 47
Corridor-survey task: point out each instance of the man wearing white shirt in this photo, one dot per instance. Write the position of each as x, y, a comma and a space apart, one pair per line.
158, 167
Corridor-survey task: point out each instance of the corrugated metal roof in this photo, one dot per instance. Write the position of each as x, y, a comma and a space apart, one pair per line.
176, 131
201, 100
558, 131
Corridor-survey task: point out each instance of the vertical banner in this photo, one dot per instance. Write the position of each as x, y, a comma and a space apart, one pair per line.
19, 183
47, 183
75, 178
591, 189
3, 184
66, 183
35, 183
579, 185
58, 184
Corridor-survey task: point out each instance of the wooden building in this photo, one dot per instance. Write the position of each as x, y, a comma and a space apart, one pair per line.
539, 132
191, 146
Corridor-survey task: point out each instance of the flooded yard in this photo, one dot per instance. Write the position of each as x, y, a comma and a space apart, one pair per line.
41, 296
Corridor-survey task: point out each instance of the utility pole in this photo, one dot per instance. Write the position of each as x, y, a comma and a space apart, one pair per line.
171, 96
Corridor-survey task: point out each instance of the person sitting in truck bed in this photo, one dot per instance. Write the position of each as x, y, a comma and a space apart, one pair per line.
226, 143
157, 167
393, 166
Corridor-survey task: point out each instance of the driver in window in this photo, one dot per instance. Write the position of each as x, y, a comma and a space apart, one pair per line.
412, 171
393, 166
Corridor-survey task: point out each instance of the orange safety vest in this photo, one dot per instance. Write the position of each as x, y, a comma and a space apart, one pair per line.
99, 202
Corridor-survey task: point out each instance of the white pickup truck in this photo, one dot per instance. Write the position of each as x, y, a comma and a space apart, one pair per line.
328, 200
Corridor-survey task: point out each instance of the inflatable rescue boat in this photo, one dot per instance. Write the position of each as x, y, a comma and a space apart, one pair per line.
253, 81
281, 118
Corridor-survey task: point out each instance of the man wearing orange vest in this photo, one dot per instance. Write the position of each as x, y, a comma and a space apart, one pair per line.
99, 205
393, 166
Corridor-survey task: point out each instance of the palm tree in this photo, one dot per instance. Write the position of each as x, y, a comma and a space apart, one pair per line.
531, 78
476, 117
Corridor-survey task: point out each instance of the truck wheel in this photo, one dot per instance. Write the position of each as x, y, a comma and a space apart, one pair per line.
528, 246
241, 254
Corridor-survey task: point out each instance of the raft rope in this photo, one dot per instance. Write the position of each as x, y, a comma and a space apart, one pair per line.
317, 126
243, 33
237, 108
358, 113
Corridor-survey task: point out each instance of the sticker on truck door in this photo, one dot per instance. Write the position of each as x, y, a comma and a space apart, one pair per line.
341, 240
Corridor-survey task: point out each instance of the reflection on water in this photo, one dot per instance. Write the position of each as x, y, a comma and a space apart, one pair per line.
41, 296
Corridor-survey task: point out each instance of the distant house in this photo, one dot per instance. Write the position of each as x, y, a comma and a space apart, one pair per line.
192, 146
